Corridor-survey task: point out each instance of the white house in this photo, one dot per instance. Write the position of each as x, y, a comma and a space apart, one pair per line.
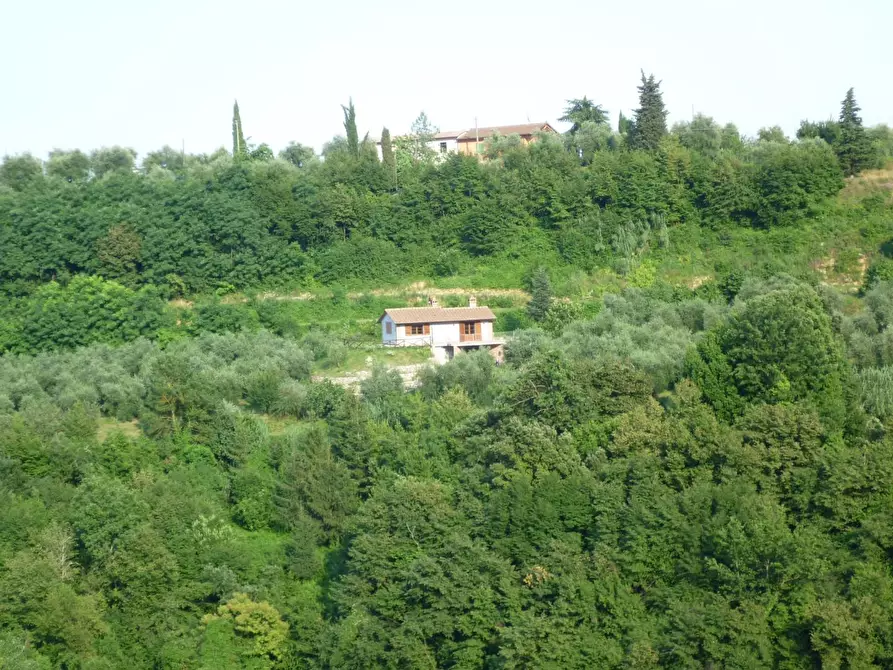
447, 330
473, 141
445, 142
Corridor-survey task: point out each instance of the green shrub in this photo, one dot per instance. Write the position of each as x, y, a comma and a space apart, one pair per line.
876, 388
366, 259
87, 310
218, 317
880, 270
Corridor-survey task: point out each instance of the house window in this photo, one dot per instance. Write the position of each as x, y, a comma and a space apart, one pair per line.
479, 147
469, 328
417, 329
443, 147
387, 327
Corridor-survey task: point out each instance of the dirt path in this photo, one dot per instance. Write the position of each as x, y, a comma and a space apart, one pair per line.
419, 289
408, 373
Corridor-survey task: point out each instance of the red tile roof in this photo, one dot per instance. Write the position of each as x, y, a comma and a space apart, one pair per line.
469, 135
404, 315
520, 129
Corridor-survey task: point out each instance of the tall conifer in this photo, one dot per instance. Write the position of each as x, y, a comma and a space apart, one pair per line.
540, 295
853, 147
387, 152
650, 123
239, 148
350, 129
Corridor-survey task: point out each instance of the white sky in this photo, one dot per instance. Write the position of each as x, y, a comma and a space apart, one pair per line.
143, 74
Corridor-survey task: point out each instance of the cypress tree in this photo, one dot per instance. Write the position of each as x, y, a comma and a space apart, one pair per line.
239, 148
853, 147
650, 122
540, 295
350, 129
624, 124
387, 152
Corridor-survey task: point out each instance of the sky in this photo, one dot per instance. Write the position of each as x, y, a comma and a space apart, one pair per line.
144, 74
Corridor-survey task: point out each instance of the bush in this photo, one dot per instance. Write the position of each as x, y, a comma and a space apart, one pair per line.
880, 270
792, 180
876, 389
218, 317
87, 310
362, 258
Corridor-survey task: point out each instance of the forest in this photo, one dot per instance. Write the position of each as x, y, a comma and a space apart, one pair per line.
685, 461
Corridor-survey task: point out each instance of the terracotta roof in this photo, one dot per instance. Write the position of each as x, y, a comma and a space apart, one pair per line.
469, 134
521, 129
403, 315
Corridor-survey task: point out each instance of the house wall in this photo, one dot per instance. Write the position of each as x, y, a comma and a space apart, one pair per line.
440, 334
444, 333
434, 145
452, 145
486, 330
408, 340
469, 146
385, 338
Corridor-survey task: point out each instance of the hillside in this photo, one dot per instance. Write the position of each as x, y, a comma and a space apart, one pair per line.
685, 461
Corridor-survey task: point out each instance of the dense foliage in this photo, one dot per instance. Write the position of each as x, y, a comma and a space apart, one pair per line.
663, 473
195, 223
547, 513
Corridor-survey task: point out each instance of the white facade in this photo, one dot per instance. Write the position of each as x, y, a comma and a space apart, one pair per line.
441, 145
439, 334
447, 331
401, 335
486, 330
444, 145
444, 333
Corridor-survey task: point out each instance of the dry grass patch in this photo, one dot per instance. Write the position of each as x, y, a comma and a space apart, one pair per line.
108, 426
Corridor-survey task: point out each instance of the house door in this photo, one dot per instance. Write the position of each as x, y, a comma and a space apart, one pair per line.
471, 332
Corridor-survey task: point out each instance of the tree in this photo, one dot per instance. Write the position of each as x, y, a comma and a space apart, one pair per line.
580, 110
701, 134
72, 166
624, 125
119, 252
19, 172
780, 347
650, 122
731, 138
792, 178
387, 153
298, 154
540, 295
350, 129
112, 159
166, 158
853, 147
418, 143
773, 134
262, 153
591, 137
239, 146
826, 130
313, 482
255, 629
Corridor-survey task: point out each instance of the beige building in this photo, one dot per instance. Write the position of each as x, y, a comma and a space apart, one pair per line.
473, 141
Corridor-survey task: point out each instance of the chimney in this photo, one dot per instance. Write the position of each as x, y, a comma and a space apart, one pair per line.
432, 301
472, 301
